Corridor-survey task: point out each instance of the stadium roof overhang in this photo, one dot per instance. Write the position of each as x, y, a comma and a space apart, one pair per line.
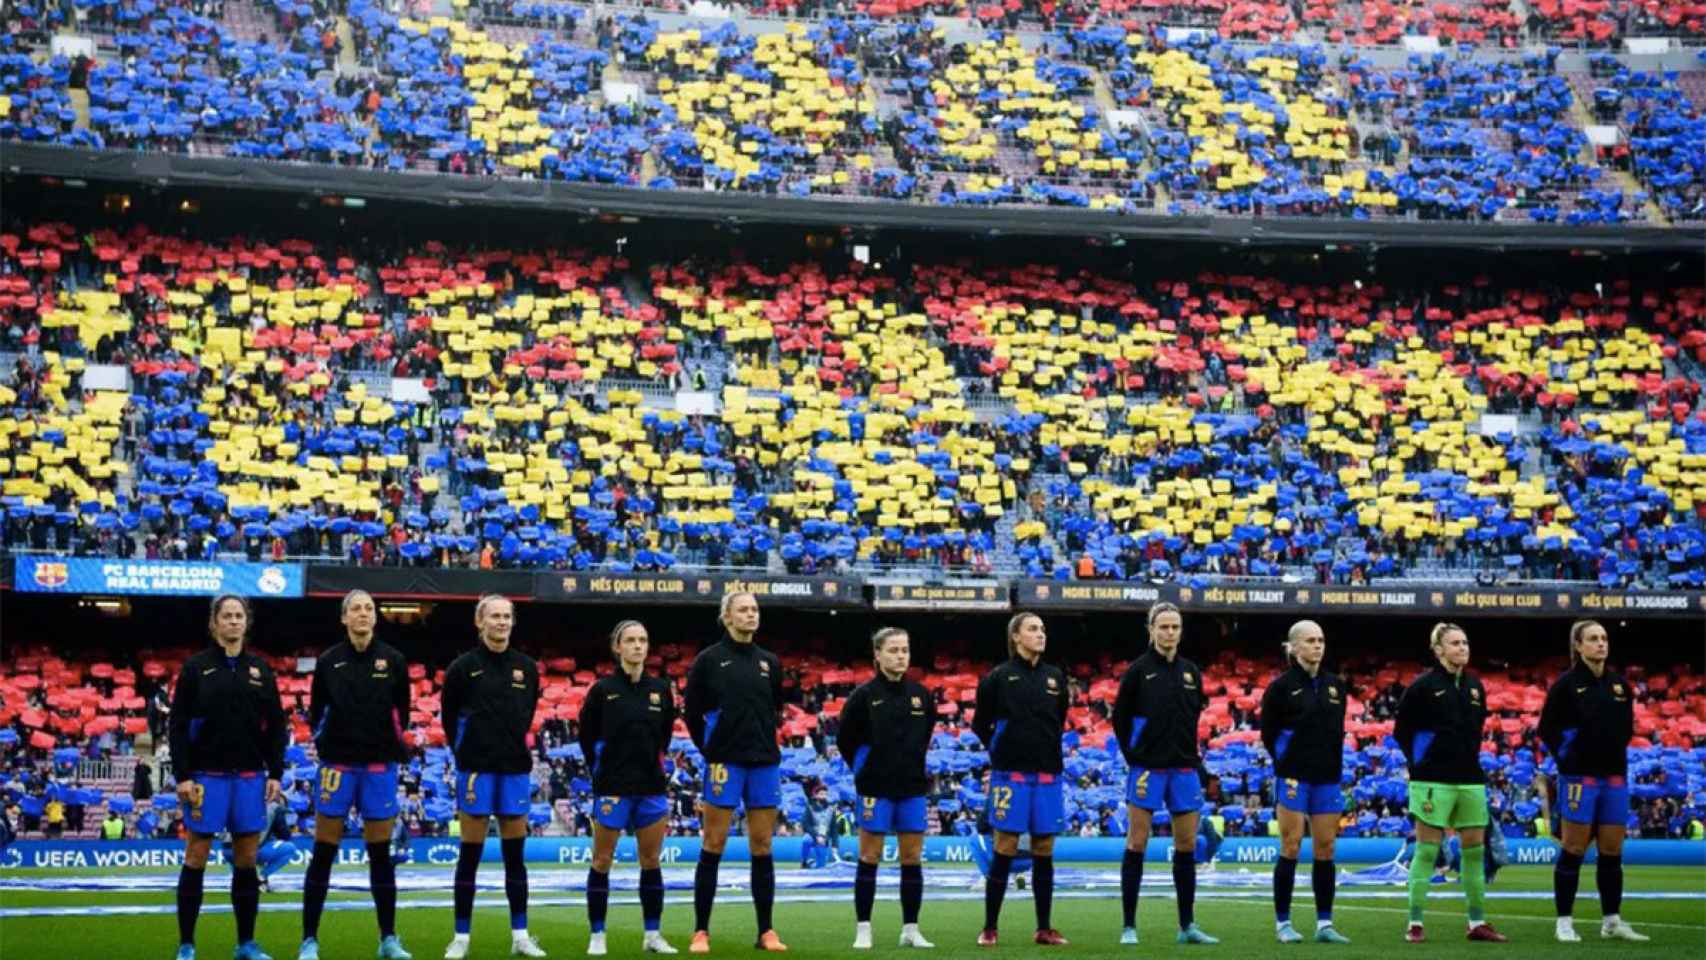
545, 196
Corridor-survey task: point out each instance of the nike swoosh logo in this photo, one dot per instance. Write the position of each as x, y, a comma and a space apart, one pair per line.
612, 696
1297, 693
1150, 676
724, 663
1439, 693
476, 673
208, 671
340, 666
1581, 689
876, 703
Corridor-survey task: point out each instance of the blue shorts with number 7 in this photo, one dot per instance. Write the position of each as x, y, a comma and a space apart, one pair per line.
494, 794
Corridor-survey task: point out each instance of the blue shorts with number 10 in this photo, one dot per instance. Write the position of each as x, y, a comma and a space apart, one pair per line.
493, 794
369, 787
1026, 803
728, 785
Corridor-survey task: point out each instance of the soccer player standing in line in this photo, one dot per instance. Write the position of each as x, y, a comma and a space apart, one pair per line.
1586, 723
885, 732
1303, 728
734, 700
1440, 721
1021, 712
357, 707
1155, 718
490, 694
227, 739
625, 725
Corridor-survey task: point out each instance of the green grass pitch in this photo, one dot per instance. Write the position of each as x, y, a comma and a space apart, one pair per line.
1374, 920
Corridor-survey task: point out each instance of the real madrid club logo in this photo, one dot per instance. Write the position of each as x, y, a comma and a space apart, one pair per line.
271, 581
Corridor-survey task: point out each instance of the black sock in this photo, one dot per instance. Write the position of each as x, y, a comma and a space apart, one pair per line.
1131, 881
1000, 865
245, 901
763, 890
651, 898
314, 887
597, 898
189, 901
467, 867
705, 888
911, 891
1185, 885
1566, 880
1323, 876
382, 880
1285, 880
1042, 890
515, 880
864, 891
1610, 877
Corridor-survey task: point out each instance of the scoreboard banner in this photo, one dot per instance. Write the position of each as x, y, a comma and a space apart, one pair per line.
162, 578
694, 588
1318, 598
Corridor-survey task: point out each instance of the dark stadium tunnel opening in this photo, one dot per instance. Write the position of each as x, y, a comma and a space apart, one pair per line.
306, 626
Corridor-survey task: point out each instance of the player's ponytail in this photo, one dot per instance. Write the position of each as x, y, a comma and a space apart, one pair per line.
1578, 630
1014, 624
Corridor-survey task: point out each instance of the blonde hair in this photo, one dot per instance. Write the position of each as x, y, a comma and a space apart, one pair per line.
1013, 625
1577, 630
487, 600
884, 636
728, 603
1436, 637
1295, 634
1154, 614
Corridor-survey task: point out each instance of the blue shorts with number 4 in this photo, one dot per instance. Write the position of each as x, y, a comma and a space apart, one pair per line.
1175, 790
370, 788
1310, 798
1026, 803
883, 815
1595, 800
630, 813
228, 801
728, 785
494, 794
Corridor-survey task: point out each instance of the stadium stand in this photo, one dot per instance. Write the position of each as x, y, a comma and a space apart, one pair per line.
873, 108
1017, 420
76, 731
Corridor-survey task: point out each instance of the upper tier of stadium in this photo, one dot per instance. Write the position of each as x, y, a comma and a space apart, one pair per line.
1231, 108
531, 407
